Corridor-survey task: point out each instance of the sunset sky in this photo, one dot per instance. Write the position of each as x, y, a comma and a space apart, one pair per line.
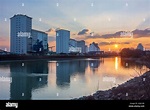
81, 17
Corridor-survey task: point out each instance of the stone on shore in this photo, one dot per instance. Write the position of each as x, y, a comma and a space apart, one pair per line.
137, 88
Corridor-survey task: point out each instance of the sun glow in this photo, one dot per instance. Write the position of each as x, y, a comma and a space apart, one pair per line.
116, 45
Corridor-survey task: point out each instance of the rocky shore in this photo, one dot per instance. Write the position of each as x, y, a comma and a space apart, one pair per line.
137, 88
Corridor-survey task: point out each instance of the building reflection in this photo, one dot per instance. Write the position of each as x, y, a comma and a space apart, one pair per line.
95, 64
62, 74
27, 76
64, 70
130, 64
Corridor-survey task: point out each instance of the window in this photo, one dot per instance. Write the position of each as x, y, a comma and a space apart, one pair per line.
57, 34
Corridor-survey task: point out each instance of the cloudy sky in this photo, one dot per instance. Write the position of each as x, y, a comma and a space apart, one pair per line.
83, 18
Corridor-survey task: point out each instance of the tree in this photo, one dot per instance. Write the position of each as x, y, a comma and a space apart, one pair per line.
131, 53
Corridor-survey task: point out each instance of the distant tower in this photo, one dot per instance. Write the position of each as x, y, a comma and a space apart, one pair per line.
20, 24
140, 47
62, 41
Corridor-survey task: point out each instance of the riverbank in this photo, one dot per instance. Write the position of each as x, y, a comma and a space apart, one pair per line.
48, 57
137, 88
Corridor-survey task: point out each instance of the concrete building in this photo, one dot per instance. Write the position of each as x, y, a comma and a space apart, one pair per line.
140, 47
81, 44
3, 52
73, 43
41, 36
62, 41
73, 46
23, 37
20, 33
86, 49
94, 48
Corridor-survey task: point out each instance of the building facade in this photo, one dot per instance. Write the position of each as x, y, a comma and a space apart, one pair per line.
23, 37
94, 48
62, 41
140, 47
81, 44
39, 36
86, 49
73, 46
20, 33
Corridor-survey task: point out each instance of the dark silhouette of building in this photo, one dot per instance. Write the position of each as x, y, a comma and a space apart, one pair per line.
27, 76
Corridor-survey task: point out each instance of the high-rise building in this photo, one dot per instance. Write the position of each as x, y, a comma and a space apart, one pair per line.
62, 41
23, 37
20, 34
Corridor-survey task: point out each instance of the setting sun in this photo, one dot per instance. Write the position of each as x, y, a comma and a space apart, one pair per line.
116, 45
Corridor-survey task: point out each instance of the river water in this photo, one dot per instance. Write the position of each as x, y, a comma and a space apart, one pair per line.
63, 79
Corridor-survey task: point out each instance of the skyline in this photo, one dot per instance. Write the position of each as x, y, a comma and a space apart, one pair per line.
81, 18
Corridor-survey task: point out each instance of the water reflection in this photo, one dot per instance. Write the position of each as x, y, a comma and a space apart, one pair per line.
62, 74
65, 69
43, 79
95, 64
130, 64
116, 63
27, 76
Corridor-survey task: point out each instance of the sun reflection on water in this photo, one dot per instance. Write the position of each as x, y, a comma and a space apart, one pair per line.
116, 63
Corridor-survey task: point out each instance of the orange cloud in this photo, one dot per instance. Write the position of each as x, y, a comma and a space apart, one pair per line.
5, 43
121, 42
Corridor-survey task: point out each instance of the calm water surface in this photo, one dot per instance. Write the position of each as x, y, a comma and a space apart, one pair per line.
63, 79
